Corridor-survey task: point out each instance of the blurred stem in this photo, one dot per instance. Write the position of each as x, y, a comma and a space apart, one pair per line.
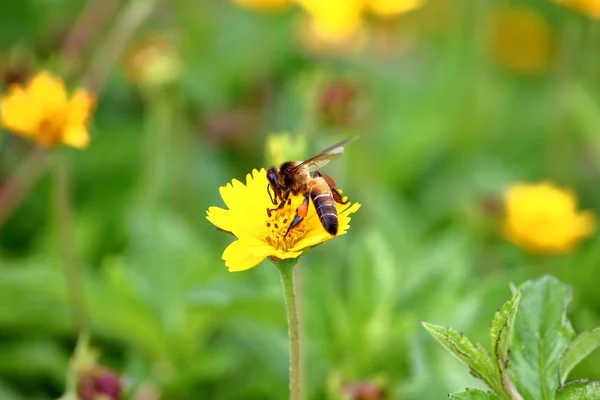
286, 272
299, 276
158, 146
136, 12
89, 25
21, 181
82, 349
558, 155
65, 227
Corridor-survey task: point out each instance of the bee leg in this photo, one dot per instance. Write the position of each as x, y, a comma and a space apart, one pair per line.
337, 196
273, 196
284, 199
301, 212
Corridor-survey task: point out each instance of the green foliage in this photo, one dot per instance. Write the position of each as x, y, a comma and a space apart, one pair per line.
473, 394
584, 389
473, 355
578, 349
501, 332
542, 334
531, 336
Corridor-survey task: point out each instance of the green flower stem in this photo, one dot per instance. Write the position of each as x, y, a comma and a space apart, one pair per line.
69, 260
286, 272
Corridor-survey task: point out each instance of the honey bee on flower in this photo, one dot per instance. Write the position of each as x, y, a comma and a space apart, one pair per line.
43, 112
271, 215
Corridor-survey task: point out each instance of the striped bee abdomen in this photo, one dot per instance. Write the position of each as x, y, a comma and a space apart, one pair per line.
325, 207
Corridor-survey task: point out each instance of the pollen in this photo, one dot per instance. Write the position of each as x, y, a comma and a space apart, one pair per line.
278, 224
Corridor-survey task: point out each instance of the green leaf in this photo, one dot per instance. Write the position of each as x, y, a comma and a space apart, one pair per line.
578, 349
542, 332
578, 390
473, 355
501, 333
473, 394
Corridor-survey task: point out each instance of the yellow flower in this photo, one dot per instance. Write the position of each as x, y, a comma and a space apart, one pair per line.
334, 21
390, 8
260, 236
264, 5
282, 147
543, 218
155, 62
42, 112
338, 25
589, 7
520, 40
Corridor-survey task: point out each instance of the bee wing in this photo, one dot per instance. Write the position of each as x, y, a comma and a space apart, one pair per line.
324, 157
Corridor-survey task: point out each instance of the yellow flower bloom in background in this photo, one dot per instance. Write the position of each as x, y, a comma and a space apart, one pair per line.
520, 40
282, 147
264, 5
155, 62
543, 218
589, 7
334, 21
260, 236
339, 24
391, 8
42, 112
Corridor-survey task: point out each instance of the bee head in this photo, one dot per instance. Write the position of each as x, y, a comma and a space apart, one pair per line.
272, 175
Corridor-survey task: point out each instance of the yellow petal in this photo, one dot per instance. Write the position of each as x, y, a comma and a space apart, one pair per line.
80, 107
316, 234
18, 113
220, 218
47, 92
76, 136
388, 8
334, 20
245, 254
264, 5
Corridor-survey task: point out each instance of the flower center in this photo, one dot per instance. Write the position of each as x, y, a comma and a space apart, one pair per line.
277, 226
50, 130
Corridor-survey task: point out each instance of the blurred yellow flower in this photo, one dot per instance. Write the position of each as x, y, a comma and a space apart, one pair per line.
42, 112
338, 24
334, 20
264, 5
521, 40
155, 62
282, 147
390, 8
260, 236
589, 7
543, 218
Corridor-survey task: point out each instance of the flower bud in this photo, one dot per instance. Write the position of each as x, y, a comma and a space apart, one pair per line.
100, 383
366, 390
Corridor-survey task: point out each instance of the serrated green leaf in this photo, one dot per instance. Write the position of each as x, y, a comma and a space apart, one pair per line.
579, 390
473, 394
473, 355
542, 332
501, 333
578, 349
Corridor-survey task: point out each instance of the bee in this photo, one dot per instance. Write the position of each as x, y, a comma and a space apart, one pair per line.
303, 178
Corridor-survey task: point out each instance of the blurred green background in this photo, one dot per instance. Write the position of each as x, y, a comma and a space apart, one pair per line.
454, 102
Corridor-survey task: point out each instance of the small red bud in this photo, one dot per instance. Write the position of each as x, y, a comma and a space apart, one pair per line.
364, 391
99, 382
